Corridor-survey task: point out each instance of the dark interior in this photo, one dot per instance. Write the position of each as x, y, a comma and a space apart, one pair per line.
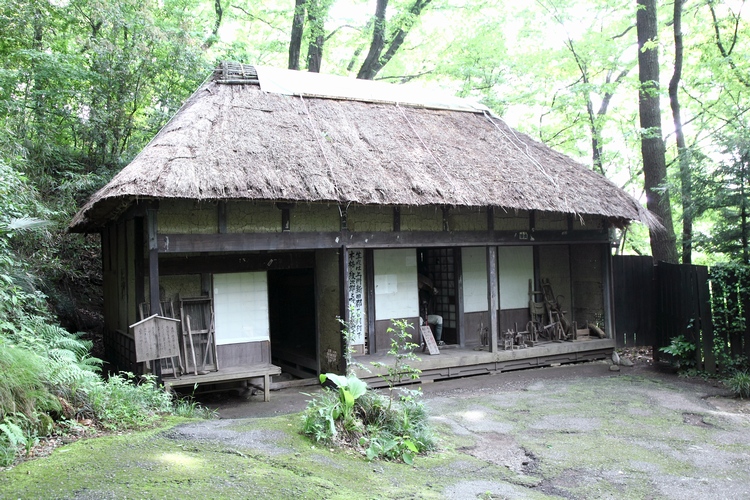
291, 311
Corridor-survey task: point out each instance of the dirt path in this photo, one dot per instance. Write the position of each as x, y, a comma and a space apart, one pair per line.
568, 432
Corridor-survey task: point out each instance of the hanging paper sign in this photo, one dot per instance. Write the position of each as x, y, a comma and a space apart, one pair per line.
357, 296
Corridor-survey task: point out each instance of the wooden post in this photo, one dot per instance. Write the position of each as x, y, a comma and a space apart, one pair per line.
459, 273
153, 269
153, 260
397, 219
140, 272
492, 298
609, 309
370, 307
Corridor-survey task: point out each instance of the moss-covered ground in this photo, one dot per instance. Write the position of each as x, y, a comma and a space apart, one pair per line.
628, 436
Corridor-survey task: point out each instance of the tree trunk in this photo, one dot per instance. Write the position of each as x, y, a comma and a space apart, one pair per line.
686, 180
368, 71
375, 58
663, 246
317, 12
298, 26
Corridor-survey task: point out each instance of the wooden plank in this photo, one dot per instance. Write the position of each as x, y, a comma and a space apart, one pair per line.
247, 242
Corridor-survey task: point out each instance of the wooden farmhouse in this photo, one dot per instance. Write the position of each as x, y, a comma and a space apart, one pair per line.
275, 202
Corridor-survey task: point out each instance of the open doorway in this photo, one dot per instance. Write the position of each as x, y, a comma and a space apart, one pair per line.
291, 314
438, 264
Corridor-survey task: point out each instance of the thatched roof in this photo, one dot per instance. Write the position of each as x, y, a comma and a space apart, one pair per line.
233, 141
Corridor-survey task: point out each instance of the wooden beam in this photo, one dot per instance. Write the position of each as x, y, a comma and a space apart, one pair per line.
446, 212
491, 219
492, 298
397, 219
170, 265
250, 242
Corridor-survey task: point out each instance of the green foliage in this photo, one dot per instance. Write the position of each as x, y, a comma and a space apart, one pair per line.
23, 385
682, 352
356, 416
739, 384
402, 353
121, 403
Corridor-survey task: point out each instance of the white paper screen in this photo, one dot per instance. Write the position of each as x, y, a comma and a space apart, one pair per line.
396, 293
241, 307
474, 265
515, 267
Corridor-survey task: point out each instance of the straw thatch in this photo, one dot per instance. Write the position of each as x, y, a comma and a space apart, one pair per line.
234, 141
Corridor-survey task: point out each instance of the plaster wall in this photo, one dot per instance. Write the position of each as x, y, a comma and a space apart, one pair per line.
174, 287
421, 219
396, 293
315, 217
188, 217
515, 267
588, 223
248, 217
474, 267
551, 221
512, 220
467, 219
370, 218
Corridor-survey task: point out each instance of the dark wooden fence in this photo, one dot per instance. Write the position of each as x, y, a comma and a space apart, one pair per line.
654, 304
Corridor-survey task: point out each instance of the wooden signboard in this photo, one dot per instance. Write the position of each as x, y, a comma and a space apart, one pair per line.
156, 337
429, 340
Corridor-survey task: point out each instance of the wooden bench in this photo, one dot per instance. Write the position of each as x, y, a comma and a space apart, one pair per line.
231, 374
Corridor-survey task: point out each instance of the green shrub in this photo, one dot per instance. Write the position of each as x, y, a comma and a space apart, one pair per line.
23, 384
120, 403
682, 352
355, 416
739, 384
